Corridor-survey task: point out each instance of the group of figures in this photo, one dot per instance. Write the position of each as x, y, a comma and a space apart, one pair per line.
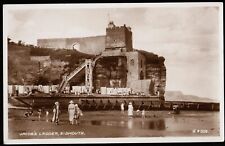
130, 111
73, 110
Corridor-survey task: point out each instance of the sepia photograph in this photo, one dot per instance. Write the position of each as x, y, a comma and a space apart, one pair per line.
113, 73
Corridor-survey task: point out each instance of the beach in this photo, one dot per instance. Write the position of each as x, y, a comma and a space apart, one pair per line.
113, 124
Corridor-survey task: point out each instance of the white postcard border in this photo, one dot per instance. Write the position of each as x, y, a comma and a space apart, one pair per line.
108, 140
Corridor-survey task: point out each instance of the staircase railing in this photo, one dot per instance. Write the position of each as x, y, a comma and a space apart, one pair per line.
61, 84
67, 78
70, 76
78, 69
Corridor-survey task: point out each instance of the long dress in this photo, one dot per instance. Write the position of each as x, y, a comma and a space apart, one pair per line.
122, 107
55, 117
54, 114
78, 113
71, 111
57, 114
130, 110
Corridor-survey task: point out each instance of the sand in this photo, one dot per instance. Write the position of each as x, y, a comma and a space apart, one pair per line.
99, 124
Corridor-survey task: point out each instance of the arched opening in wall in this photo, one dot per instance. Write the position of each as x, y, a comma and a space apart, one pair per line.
141, 75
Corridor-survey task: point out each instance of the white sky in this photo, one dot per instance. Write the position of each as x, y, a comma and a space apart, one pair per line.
188, 37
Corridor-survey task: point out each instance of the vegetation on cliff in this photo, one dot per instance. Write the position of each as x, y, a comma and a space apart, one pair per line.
23, 70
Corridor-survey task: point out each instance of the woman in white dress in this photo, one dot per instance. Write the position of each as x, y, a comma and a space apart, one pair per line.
71, 111
122, 107
130, 109
55, 117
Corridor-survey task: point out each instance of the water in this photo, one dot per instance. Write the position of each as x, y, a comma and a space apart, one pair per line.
130, 123
117, 124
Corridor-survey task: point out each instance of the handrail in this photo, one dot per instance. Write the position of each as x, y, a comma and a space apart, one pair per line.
70, 76
74, 72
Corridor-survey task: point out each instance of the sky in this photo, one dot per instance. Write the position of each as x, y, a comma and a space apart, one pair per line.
188, 37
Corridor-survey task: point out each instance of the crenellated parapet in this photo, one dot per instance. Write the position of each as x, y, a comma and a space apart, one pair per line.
118, 37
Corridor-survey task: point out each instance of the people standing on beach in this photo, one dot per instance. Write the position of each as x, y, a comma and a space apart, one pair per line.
122, 107
55, 117
77, 113
71, 111
142, 109
46, 115
39, 113
143, 113
130, 110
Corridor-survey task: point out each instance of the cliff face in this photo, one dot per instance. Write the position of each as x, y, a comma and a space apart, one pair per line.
157, 74
23, 69
20, 68
110, 72
156, 71
140, 70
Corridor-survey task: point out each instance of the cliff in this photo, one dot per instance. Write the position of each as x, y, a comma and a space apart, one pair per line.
23, 70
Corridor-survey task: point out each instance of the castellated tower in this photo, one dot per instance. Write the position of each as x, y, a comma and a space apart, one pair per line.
118, 38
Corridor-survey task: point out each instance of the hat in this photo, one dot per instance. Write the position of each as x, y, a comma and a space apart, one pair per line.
71, 101
76, 105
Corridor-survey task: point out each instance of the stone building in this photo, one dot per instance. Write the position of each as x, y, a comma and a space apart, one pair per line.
124, 66
89, 45
121, 66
